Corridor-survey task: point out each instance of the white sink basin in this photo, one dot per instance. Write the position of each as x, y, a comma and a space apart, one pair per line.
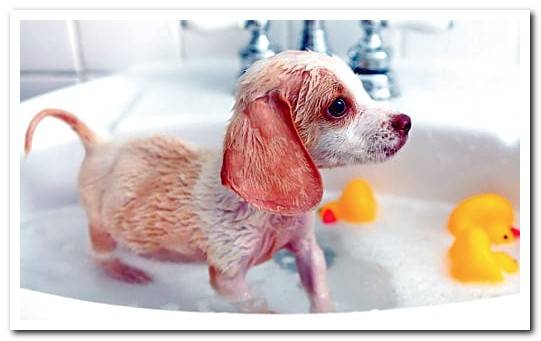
398, 261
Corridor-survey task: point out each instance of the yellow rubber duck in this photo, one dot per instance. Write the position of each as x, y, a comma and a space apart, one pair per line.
357, 204
472, 260
489, 212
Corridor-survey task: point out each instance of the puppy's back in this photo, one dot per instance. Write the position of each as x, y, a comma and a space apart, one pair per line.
141, 192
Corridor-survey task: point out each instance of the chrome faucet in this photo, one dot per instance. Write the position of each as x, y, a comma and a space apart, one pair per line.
370, 59
259, 46
314, 37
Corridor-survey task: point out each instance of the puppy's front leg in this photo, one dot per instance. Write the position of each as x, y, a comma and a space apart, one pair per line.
235, 289
312, 269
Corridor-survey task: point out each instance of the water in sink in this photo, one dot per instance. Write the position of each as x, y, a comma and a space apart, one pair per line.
399, 261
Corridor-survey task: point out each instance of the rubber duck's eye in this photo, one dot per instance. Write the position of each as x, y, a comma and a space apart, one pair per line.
505, 236
337, 108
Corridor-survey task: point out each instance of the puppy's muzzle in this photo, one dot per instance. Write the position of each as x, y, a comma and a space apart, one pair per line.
400, 125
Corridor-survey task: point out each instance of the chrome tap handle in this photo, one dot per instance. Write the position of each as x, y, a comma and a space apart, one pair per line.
259, 46
314, 37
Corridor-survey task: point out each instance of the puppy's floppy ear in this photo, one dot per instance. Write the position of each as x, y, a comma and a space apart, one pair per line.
265, 161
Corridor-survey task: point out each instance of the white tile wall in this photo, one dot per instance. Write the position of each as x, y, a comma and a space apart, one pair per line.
223, 43
57, 53
226, 42
495, 41
115, 45
45, 46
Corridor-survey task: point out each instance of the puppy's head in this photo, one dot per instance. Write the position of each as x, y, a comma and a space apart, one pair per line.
295, 112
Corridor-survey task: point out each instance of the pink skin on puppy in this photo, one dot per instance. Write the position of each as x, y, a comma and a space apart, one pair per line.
234, 208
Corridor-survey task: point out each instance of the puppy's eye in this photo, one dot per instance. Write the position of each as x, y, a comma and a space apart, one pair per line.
337, 108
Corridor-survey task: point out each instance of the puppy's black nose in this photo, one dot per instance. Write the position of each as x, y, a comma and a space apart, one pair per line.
401, 122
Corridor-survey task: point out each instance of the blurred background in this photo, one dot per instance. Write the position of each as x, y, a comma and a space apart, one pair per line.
56, 54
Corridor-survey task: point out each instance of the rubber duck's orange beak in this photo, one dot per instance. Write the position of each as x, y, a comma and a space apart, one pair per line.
516, 232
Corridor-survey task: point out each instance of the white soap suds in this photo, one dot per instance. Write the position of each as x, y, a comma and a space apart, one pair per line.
398, 261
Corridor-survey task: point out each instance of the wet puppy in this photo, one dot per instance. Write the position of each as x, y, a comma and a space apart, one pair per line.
235, 207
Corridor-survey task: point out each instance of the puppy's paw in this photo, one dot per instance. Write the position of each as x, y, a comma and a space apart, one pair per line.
123, 272
322, 306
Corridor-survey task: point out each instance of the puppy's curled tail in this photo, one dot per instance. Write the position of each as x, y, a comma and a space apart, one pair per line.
87, 136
